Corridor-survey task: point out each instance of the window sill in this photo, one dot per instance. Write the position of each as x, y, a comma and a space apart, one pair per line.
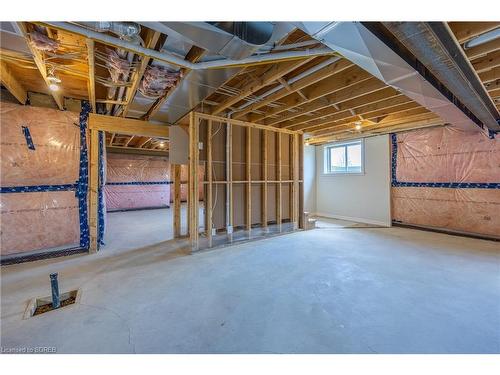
342, 174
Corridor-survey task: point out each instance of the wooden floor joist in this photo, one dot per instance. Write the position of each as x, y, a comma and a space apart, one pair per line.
12, 84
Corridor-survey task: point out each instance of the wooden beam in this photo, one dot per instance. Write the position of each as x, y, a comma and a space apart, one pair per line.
93, 190
348, 121
295, 178
311, 79
127, 126
177, 200
91, 77
229, 177
129, 140
12, 84
279, 209
413, 115
483, 49
270, 76
488, 62
337, 82
141, 145
263, 199
301, 182
248, 170
135, 151
150, 41
465, 31
490, 75
208, 200
331, 104
242, 123
193, 179
381, 107
411, 123
40, 64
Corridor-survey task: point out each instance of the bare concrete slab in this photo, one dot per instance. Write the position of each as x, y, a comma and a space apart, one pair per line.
355, 290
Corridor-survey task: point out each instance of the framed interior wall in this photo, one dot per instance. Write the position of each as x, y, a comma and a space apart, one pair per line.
253, 176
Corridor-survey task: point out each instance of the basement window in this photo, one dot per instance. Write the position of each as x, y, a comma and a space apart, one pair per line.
344, 158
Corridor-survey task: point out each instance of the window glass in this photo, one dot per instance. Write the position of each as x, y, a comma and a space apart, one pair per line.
344, 158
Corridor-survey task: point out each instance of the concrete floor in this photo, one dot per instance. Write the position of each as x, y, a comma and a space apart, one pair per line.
132, 229
330, 290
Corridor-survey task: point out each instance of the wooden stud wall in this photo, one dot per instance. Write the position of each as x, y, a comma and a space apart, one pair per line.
259, 172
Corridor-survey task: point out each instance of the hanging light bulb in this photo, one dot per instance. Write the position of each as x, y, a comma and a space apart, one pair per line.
357, 125
53, 80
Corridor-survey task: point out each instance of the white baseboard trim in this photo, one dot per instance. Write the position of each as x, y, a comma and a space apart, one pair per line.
356, 219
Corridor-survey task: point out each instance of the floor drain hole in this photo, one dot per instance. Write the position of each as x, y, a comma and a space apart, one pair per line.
43, 305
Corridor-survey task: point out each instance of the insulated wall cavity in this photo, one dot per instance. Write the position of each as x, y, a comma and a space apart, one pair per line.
137, 182
39, 171
447, 178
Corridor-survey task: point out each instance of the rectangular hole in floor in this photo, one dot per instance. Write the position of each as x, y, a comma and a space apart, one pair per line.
43, 305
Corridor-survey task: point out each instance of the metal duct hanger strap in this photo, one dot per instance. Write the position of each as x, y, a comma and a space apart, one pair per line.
27, 135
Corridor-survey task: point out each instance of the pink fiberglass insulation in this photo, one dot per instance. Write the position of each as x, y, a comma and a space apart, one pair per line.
56, 138
35, 221
464, 210
143, 182
184, 186
448, 155
128, 197
38, 220
130, 170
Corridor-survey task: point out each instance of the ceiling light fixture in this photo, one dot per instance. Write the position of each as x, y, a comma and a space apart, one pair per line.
357, 125
53, 87
53, 79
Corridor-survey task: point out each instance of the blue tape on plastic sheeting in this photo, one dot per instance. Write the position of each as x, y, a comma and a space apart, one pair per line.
27, 135
448, 185
83, 180
100, 195
38, 188
141, 183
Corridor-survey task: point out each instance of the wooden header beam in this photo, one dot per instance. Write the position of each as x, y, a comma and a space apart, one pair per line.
127, 126
203, 116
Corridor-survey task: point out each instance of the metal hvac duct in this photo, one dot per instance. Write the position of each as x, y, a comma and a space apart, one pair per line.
433, 45
360, 45
234, 40
125, 30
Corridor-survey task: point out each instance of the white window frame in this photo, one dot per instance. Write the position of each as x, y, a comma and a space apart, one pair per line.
326, 157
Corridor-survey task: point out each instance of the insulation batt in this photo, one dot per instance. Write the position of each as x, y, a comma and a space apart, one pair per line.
448, 154
42, 42
127, 168
157, 80
116, 65
38, 220
141, 168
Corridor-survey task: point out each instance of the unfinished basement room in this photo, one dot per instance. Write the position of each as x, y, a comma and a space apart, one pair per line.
250, 187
